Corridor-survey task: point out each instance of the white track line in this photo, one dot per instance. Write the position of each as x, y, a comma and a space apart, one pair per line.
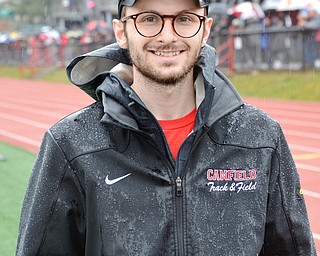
311, 193
316, 236
308, 167
305, 148
31, 110
19, 138
25, 121
50, 104
278, 113
309, 135
294, 122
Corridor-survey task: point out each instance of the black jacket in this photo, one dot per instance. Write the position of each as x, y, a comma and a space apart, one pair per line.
105, 182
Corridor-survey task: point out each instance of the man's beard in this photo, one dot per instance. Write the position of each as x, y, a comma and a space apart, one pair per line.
168, 79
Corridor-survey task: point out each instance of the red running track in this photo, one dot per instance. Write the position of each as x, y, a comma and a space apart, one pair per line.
29, 108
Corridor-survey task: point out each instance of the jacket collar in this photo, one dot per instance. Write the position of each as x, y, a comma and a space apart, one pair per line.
91, 73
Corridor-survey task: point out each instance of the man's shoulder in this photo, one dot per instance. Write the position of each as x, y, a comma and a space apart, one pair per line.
254, 118
248, 127
81, 132
82, 118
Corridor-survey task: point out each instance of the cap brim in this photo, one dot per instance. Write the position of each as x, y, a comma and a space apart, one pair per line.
128, 2
124, 3
204, 3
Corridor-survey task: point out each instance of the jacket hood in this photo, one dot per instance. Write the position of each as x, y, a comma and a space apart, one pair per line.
91, 70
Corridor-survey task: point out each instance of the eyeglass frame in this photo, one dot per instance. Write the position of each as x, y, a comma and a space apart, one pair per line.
163, 17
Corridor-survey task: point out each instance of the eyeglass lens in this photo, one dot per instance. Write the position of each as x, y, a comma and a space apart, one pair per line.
151, 24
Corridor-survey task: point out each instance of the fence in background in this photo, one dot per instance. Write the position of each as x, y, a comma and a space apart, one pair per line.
288, 49
291, 49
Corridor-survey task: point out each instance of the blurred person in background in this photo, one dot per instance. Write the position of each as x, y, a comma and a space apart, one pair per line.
169, 160
309, 21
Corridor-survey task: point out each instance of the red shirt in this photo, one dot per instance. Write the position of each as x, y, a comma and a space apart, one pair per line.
177, 130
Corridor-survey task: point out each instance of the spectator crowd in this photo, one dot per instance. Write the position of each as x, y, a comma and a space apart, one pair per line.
48, 46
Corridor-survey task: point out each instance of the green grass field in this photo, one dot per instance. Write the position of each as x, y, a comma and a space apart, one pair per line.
302, 85
14, 175
14, 172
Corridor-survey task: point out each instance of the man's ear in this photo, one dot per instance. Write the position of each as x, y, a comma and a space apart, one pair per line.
119, 33
207, 29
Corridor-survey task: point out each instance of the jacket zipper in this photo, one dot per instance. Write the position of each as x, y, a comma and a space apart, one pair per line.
178, 187
180, 231
179, 205
179, 209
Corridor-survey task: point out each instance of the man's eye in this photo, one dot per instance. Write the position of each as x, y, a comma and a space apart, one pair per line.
183, 19
150, 19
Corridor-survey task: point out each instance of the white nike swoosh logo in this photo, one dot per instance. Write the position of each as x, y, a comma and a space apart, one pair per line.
111, 182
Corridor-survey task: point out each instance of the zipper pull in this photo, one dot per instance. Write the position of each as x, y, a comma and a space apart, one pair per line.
179, 186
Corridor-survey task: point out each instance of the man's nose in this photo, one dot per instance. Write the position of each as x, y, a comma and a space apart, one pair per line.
168, 31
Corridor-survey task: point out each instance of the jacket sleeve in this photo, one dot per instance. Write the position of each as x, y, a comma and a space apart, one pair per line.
287, 226
52, 215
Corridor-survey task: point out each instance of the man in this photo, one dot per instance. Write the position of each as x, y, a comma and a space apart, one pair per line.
169, 160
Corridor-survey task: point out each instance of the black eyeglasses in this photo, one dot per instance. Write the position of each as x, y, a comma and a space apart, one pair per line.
150, 24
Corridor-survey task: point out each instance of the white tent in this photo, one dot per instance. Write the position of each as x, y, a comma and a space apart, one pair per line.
290, 5
246, 10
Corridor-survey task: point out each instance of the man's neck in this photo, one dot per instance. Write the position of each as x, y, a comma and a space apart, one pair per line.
166, 102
